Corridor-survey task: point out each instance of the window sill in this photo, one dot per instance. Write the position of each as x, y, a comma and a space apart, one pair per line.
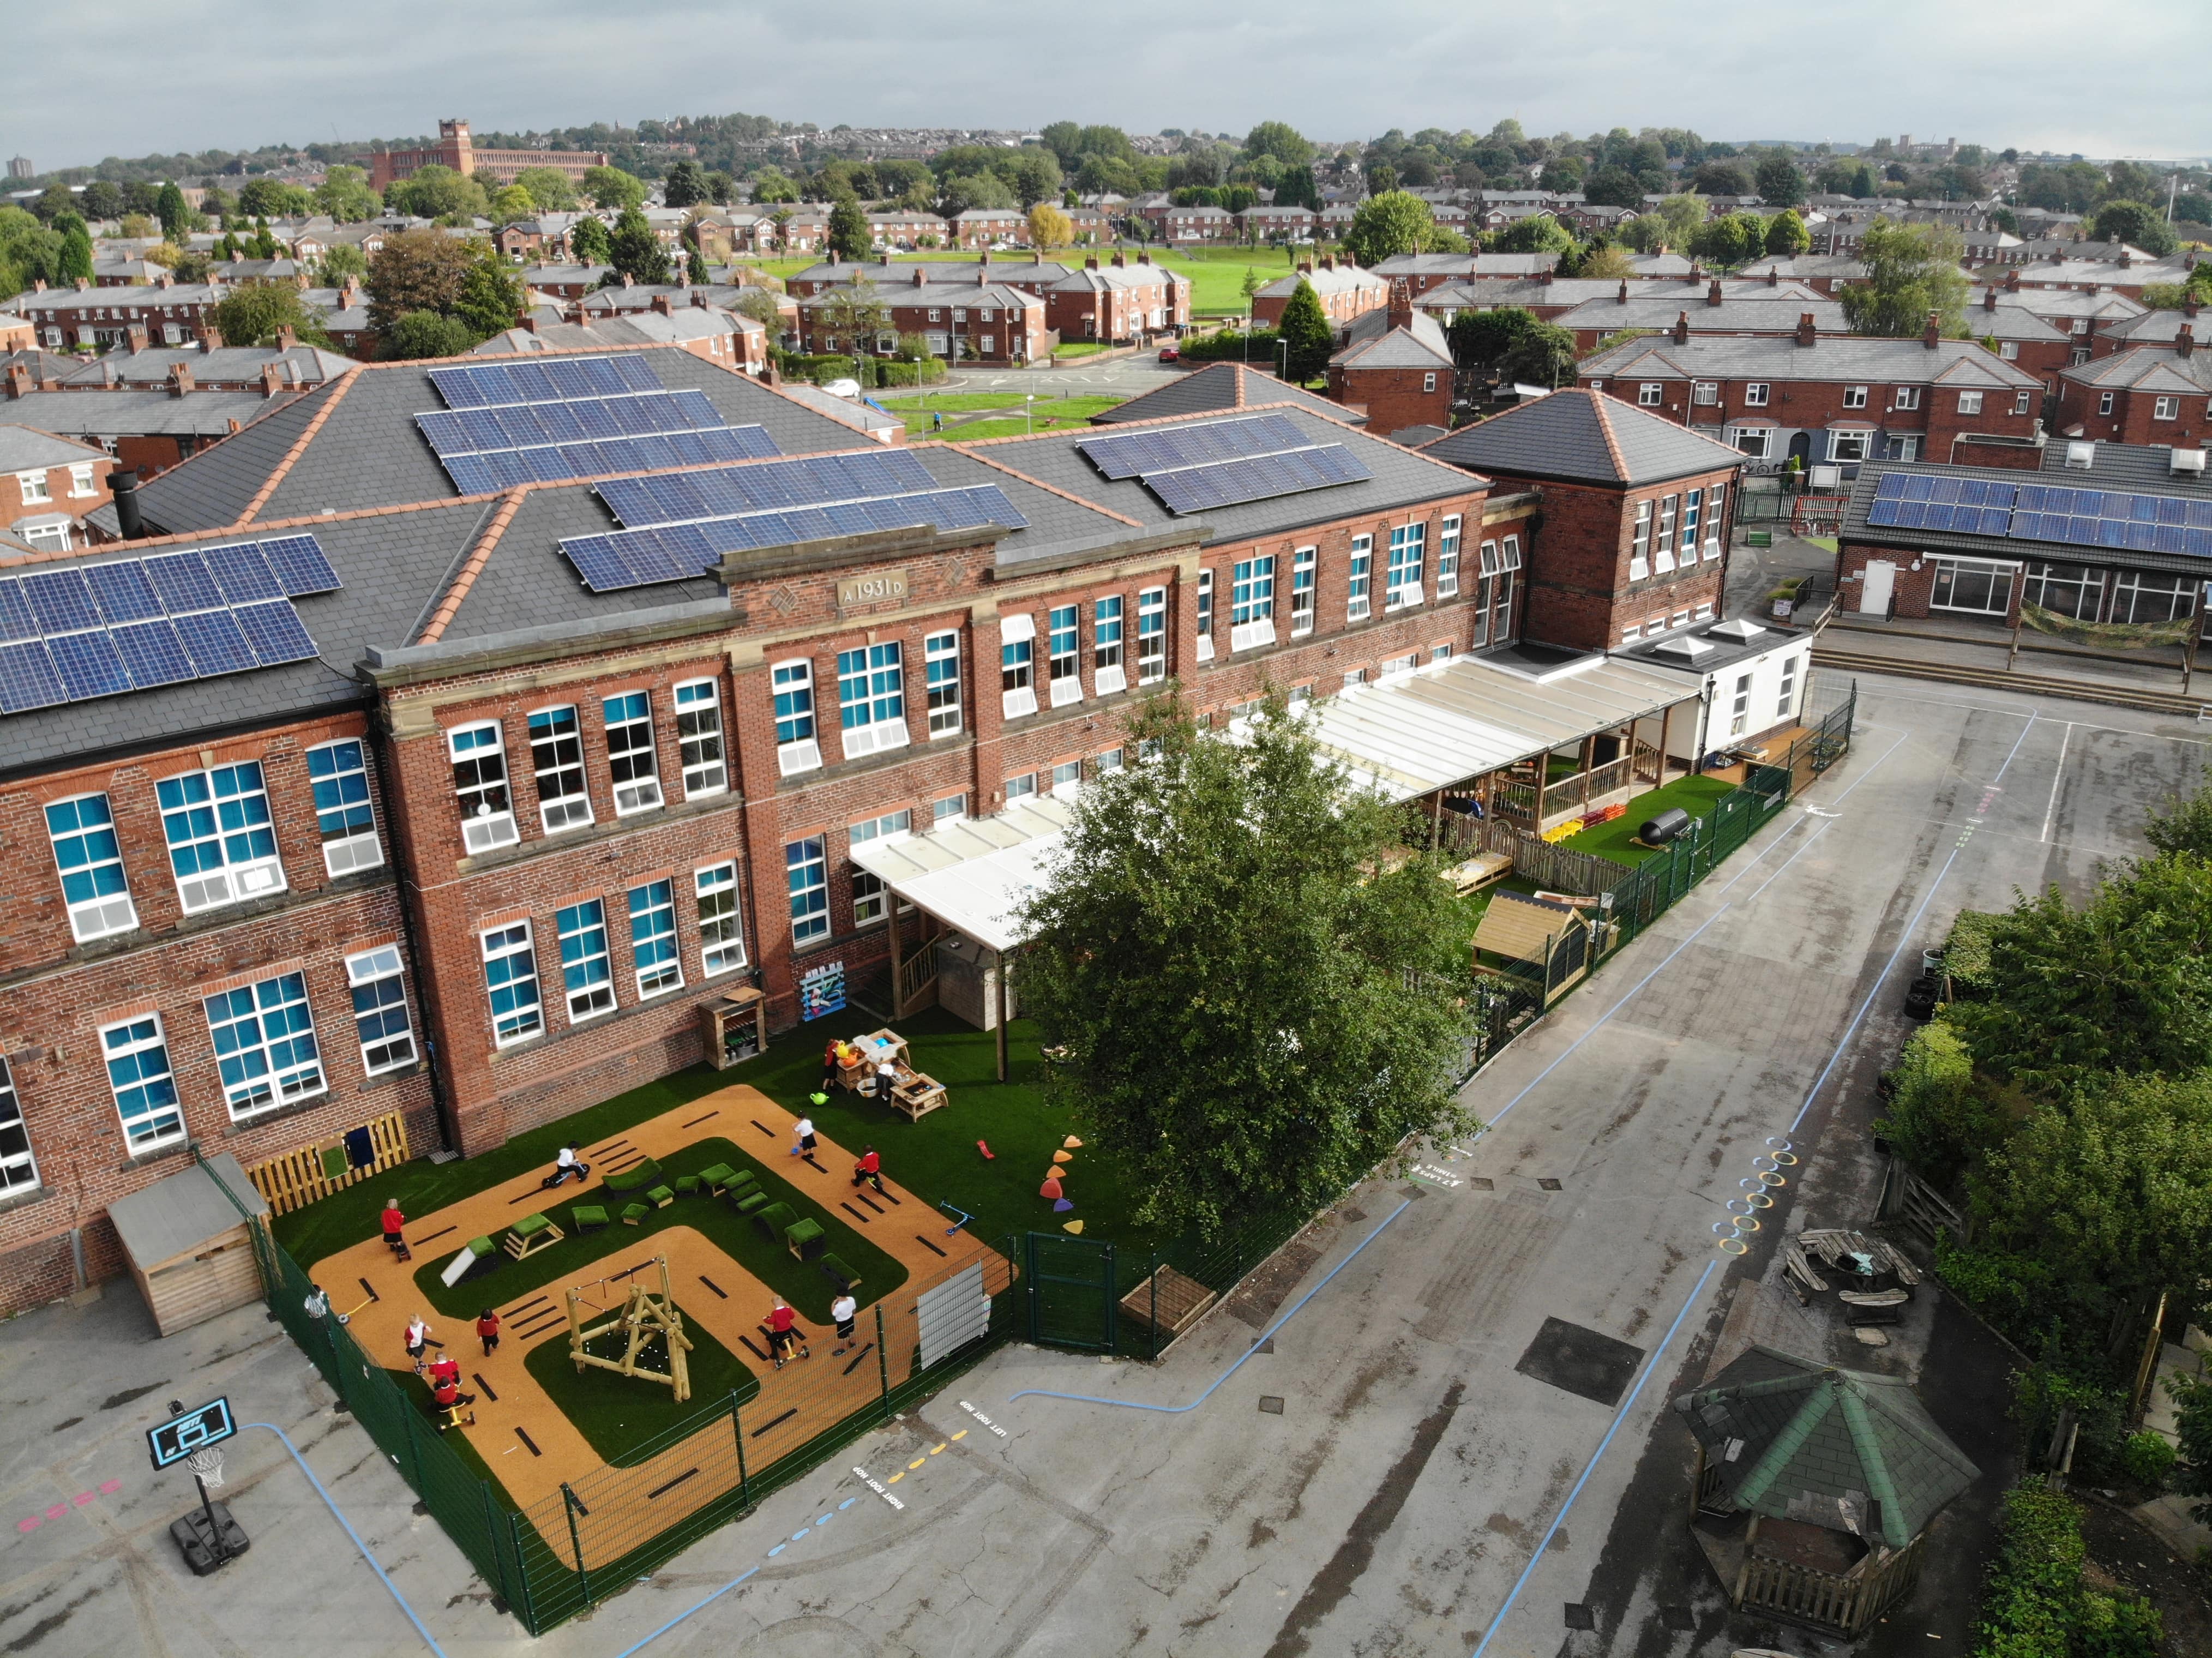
278, 1113
24, 1198
158, 1154
398, 1074
586, 834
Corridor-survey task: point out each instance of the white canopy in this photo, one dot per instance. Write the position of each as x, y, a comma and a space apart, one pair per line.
973, 874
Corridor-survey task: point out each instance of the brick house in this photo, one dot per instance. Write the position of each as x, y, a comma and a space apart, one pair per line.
1424, 271
47, 485
1716, 314
1192, 224
147, 432
719, 336
1635, 515
1118, 300
1550, 297
904, 228
497, 167
981, 322
990, 227
542, 237
1222, 388
2147, 394
2126, 273
495, 864
1033, 275
1344, 291
1838, 401
209, 366
1277, 224
175, 313
565, 282
1396, 367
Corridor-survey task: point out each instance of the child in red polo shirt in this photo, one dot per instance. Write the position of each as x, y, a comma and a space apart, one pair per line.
782, 1335
869, 1168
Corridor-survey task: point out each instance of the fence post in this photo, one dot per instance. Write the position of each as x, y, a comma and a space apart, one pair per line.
522, 1572
568, 1506
737, 1428
414, 1447
883, 1363
491, 1541
337, 1366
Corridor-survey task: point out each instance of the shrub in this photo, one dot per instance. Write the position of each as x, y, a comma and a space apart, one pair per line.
1232, 345
1938, 1118
2150, 1458
2029, 1602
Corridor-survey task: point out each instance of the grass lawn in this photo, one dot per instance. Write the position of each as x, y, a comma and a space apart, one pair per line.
572, 1259
622, 1416
1079, 349
1217, 274
1695, 795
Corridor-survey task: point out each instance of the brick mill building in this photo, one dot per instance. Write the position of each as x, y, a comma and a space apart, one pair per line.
455, 149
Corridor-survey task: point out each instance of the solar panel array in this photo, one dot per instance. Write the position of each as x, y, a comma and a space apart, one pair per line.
103, 629
507, 423
1221, 462
693, 495
2120, 519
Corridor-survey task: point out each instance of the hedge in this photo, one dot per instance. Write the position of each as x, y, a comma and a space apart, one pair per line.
2034, 1604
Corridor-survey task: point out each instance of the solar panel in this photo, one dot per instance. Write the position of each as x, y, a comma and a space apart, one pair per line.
60, 601
27, 680
1885, 509
215, 645
183, 581
1259, 477
242, 573
153, 654
1134, 454
275, 632
300, 566
88, 664
122, 591
675, 500
494, 385
15, 619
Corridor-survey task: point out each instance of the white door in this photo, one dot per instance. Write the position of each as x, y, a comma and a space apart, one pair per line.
1875, 587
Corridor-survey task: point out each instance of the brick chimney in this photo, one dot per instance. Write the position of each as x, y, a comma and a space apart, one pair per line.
529, 323
982, 256
211, 336
1091, 262
84, 284
1990, 298
628, 281
1144, 256
1306, 268
1697, 270
19, 380
1621, 298
1681, 328
272, 379
2184, 340
1932, 335
286, 339
833, 261
1713, 294
2189, 306
1402, 305
659, 303
1120, 260
1544, 276
1807, 334
2012, 280
2126, 259
1774, 276
136, 335
180, 379
920, 275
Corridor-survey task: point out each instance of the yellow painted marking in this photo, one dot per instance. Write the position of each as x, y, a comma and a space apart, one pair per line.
933, 1449
963, 1434
895, 1479
916, 1463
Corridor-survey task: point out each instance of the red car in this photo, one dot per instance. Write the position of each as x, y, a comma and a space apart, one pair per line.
1169, 354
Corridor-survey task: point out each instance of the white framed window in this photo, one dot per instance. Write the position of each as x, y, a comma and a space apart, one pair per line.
1754, 395
1639, 547
1755, 442
1108, 673
1907, 396
1402, 582
137, 1052
722, 930
1205, 616
652, 951
1785, 705
1970, 402
2161, 408
1716, 520
1112, 760
2139, 596
2020, 401
2008, 349
90, 858
950, 810
1854, 397
1359, 596
264, 1044
796, 747
1904, 446
479, 757
33, 487
1252, 602
806, 878
338, 773
1447, 559
1631, 633
1705, 394
585, 981
1399, 664
2081, 325
1849, 445
940, 655
872, 699
1017, 666
1354, 676
2105, 403
511, 980
1067, 777
869, 893
633, 762
223, 846
699, 738
1703, 613
52, 538
1151, 635
1979, 587
1065, 650
81, 480
556, 756
1024, 787
1304, 562
19, 1169
1662, 551
1647, 394
380, 1023
1428, 382
1738, 712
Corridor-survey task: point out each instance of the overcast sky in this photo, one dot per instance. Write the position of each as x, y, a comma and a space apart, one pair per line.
2121, 78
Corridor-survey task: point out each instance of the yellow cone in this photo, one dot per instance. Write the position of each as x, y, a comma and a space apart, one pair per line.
1055, 1173
1074, 1226
1070, 1142
1061, 1157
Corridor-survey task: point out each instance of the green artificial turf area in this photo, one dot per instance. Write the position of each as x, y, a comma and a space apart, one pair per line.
581, 1256
621, 1416
1695, 795
935, 1157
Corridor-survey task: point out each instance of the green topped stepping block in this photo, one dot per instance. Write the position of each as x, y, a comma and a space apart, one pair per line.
660, 1197
774, 1219
804, 1238
752, 1201
634, 1214
716, 1178
587, 1216
635, 1180
686, 1185
838, 1272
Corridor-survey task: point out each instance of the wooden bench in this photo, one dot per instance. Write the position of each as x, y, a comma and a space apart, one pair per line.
530, 1234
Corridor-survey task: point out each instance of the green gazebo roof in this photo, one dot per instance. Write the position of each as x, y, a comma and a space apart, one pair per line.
1793, 1439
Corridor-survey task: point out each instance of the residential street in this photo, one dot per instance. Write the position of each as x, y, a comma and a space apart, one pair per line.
1420, 1459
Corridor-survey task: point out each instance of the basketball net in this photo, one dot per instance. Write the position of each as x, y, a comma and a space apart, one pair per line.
207, 1464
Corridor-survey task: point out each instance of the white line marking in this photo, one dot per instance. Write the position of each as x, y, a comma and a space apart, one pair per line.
2057, 776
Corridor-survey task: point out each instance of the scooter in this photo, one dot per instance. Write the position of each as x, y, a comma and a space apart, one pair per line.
582, 1171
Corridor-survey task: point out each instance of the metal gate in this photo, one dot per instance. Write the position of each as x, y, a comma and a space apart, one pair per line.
1071, 1291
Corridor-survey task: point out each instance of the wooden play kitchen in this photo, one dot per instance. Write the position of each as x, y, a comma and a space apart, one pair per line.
913, 1093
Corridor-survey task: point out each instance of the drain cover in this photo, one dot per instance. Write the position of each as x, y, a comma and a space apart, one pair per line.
1271, 1404
1580, 1616
1588, 1362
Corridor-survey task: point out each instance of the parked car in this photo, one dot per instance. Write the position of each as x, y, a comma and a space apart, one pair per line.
1169, 354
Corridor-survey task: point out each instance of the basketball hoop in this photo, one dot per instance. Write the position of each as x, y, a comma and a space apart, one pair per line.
207, 1464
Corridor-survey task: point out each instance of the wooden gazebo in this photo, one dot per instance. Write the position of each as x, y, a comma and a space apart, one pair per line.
1816, 1486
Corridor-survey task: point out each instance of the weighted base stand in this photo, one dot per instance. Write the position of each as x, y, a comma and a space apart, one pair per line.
209, 1538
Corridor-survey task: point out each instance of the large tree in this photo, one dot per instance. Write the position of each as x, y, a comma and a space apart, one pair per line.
1545, 355
2138, 223
1722, 179
1733, 239
1388, 224
685, 185
551, 191
1912, 269
1539, 233
634, 251
254, 315
170, 209
1255, 1008
1780, 183
1308, 337
1049, 227
417, 271
1614, 186
1786, 234
344, 195
1281, 140
587, 241
851, 236
490, 300
427, 334
610, 187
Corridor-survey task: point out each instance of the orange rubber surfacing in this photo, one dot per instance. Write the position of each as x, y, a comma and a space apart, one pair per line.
807, 1397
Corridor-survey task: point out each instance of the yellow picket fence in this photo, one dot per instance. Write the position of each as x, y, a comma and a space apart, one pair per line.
298, 1178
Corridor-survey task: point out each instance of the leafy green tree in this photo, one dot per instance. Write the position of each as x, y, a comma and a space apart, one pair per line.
634, 252
685, 185
1049, 227
344, 195
490, 298
1033, 175
588, 242
1281, 141
1382, 178
427, 334
1722, 179
2131, 181
273, 198
610, 187
694, 269
2138, 223
1539, 233
1480, 340
103, 199
2183, 824
511, 204
51, 203
1305, 329
169, 208
1252, 1002
2193, 1425
1605, 263
1938, 1119
1612, 186
139, 228
1294, 187
1545, 355
437, 192
975, 189
341, 260
76, 249
1786, 234
1734, 238
773, 184
254, 316
417, 271
1780, 183
1912, 270
851, 236
1388, 223
550, 189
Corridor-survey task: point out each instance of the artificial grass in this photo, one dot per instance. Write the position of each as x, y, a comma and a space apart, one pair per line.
1696, 795
580, 1256
621, 1416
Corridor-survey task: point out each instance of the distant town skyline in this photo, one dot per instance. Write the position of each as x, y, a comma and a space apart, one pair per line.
1996, 74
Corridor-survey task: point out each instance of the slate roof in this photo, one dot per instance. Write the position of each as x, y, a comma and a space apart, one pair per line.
1584, 290
1744, 314
2157, 327
23, 448
300, 365
566, 275
680, 296
366, 451
1400, 479
1811, 1434
2143, 466
1217, 387
892, 273
1467, 264
1087, 281
1850, 357
997, 294
618, 333
2070, 302
1577, 435
1325, 279
95, 413
2147, 368
1372, 343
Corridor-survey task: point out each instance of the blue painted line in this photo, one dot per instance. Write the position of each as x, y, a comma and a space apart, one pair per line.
627, 1652
382, 1576
1178, 1410
1620, 1416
